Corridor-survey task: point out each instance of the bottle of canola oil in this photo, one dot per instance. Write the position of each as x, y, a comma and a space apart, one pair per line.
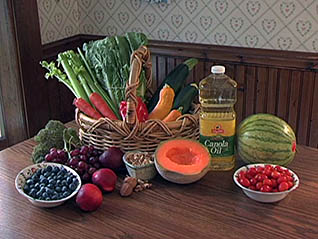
217, 95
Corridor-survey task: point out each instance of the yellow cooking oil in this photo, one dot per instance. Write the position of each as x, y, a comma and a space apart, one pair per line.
217, 96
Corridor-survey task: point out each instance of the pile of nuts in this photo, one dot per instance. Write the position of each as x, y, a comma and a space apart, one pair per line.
131, 184
140, 158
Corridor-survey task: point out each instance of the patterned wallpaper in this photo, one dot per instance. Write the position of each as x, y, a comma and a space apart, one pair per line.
272, 24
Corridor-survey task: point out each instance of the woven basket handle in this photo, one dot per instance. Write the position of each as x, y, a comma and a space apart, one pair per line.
139, 59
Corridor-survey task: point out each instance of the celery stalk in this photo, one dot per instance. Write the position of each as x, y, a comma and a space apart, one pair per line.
63, 58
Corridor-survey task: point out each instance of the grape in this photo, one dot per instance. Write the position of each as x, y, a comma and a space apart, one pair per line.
91, 170
82, 165
83, 157
54, 154
73, 161
80, 171
61, 154
48, 158
86, 177
96, 165
75, 152
93, 160
95, 152
84, 150
91, 149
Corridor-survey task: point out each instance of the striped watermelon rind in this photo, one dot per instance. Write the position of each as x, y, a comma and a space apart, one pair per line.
265, 138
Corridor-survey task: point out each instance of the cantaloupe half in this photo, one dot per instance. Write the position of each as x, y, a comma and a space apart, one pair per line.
182, 160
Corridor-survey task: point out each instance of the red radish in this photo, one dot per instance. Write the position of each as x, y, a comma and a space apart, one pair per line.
86, 108
102, 106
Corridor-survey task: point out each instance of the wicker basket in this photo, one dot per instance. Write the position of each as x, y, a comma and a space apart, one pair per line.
131, 134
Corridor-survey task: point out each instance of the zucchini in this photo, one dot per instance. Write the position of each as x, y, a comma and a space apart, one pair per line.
185, 97
175, 79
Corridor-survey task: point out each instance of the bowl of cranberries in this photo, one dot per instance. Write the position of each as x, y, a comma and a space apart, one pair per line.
266, 183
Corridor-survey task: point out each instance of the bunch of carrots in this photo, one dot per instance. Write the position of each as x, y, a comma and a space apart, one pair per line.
101, 108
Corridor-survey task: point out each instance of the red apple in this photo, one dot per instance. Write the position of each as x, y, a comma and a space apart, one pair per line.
89, 197
105, 179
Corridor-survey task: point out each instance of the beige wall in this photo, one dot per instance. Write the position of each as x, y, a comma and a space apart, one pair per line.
271, 24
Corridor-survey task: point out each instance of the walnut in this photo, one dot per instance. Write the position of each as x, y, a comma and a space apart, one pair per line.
132, 181
126, 190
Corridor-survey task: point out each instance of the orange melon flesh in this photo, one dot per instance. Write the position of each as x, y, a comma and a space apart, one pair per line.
183, 156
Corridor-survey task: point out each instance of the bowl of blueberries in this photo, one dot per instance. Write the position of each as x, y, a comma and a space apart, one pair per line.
48, 184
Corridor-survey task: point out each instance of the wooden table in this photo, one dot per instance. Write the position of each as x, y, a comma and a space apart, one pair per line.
211, 208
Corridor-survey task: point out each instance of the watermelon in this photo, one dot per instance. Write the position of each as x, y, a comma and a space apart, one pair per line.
265, 138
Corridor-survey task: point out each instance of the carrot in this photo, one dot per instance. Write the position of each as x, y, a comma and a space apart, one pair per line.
86, 108
173, 115
101, 105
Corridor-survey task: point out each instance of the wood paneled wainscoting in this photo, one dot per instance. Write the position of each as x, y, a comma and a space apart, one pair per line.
277, 82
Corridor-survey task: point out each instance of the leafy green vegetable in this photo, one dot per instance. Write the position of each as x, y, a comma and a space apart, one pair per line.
136, 40
71, 139
49, 137
109, 61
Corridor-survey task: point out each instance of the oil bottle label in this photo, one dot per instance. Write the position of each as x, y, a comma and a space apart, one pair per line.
218, 146
218, 137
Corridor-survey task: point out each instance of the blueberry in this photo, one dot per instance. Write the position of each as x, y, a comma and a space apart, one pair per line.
31, 186
58, 189
47, 199
52, 181
54, 197
30, 181
49, 191
64, 183
37, 186
35, 177
26, 188
43, 180
72, 186
42, 190
69, 180
63, 170
38, 194
50, 186
47, 174
49, 168
45, 195
64, 189
32, 192
74, 180
55, 169
65, 194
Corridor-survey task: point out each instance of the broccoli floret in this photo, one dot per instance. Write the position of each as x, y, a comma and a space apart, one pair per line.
52, 131
49, 137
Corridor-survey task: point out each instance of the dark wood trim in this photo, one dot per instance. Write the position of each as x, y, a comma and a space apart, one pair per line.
35, 90
236, 55
11, 90
239, 55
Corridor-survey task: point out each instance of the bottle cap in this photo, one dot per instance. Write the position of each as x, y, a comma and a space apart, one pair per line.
218, 69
